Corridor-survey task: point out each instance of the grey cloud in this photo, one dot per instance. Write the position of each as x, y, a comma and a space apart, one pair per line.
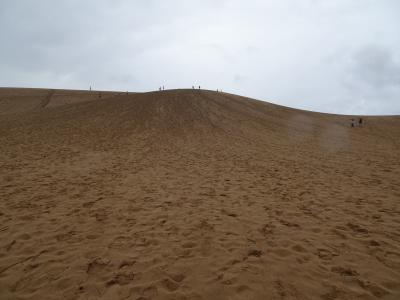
308, 54
240, 79
376, 66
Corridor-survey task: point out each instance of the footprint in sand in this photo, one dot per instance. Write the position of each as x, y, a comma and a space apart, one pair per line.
10, 245
230, 214
227, 279
97, 265
170, 284
299, 248
289, 224
254, 252
177, 277
24, 236
268, 229
148, 293
244, 291
344, 271
334, 293
121, 242
88, 204
126, 264
373, 288
281, 252
189, 245
101, 216
285, 290
92, 236
357, 229
325, 254
65, 236
374, 243
121, 279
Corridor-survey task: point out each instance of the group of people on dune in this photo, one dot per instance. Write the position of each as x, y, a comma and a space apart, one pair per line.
161, 88
354, 123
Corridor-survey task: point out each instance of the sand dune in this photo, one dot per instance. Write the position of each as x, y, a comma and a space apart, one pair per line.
189, 194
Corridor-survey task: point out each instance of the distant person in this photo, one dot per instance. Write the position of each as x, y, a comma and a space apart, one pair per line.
199, 87
90, 88
360, 122
352, 123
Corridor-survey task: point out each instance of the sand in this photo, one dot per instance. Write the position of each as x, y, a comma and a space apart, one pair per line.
189, 194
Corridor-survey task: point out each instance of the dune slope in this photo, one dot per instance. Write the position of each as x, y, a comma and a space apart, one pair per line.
189, 194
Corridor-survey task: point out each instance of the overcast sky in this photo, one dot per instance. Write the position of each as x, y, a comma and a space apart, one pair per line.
338, 56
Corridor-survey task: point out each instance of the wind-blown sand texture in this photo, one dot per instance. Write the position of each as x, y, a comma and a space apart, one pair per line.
189, 194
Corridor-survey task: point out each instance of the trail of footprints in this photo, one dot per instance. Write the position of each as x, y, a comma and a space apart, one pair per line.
196, 220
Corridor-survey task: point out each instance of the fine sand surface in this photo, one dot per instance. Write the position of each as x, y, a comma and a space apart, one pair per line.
189, 194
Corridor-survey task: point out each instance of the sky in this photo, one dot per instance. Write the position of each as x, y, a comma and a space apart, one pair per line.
334, 56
